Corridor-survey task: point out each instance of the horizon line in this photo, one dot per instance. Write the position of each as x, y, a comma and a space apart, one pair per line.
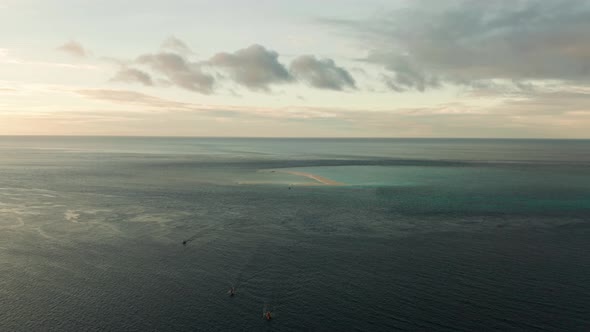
300, 137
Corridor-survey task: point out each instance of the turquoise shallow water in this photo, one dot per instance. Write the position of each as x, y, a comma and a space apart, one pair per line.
423, 235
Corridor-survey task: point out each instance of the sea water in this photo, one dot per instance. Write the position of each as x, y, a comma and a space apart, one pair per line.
397, 234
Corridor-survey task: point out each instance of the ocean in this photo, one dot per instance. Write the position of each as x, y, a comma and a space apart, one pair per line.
327, 234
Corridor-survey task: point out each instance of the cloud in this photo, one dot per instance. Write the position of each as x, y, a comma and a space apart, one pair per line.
6, 57
558, 102
145, 101
551, 112
132, 75
181, 72
321, 73
73, 48
149, 103
176, 45
406, 75
254, 67
131, 97
427, 44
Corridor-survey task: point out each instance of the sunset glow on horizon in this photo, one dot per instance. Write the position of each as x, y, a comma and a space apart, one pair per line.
504, 69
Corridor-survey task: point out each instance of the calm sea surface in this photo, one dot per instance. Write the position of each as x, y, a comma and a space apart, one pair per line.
421, 234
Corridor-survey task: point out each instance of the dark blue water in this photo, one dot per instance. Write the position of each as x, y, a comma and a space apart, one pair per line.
449, 235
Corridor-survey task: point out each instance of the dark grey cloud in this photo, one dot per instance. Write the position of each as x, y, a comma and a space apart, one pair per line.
73, 48
459, 42
132, 75
254, 67
179, 71
321, 73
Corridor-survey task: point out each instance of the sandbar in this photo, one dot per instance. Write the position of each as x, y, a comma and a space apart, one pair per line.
317, 178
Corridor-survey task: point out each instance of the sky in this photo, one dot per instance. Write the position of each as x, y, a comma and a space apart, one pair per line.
305, 68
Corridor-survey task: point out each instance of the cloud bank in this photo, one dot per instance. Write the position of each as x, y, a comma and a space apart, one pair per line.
547, 114
255, 68
428, 44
